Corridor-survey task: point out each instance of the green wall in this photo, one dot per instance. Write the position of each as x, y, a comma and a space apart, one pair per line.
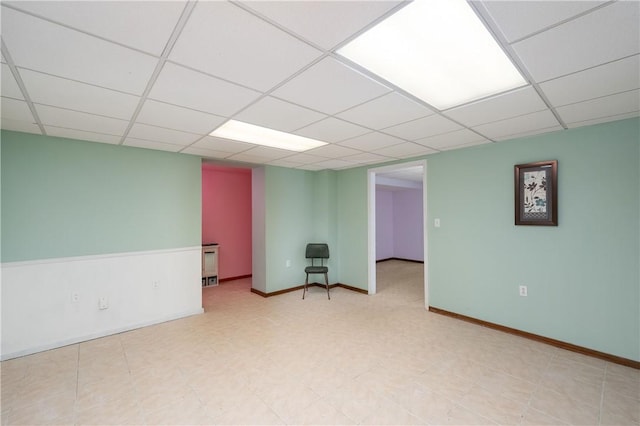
353, 227
300, 207
288, 225
62, 197
583, 276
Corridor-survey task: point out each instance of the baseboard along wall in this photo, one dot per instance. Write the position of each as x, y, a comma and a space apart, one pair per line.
239, 277
553, 342
399, 258
300, 287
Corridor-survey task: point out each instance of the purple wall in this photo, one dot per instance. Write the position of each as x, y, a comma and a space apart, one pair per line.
399, 224
384, 224
408, 224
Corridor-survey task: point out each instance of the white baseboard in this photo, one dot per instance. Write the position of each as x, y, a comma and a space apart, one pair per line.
39, 311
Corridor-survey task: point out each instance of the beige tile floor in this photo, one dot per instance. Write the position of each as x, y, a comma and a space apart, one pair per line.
355, 359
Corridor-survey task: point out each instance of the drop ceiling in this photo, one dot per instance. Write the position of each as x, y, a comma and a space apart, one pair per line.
163, 75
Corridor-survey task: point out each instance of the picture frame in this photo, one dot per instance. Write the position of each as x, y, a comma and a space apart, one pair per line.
536, 193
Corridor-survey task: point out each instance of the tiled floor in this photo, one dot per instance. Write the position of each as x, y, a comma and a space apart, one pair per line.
355, 359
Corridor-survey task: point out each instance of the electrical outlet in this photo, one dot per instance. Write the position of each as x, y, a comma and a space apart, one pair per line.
288, 263
523, 290
75, 297
155, 284
103, 303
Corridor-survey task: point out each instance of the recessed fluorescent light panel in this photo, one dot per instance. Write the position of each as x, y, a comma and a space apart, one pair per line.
438, 51
245, 132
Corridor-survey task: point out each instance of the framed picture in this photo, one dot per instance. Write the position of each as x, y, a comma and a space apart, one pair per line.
536, 193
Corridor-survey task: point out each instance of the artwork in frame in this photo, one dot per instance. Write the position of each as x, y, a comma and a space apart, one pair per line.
536, 193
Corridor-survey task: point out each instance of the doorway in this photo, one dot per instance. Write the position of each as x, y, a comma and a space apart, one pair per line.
413, 171
227, 218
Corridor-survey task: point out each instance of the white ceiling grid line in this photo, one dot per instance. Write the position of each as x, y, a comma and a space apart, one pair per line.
18, 80
495, 29
85, 70
184, 16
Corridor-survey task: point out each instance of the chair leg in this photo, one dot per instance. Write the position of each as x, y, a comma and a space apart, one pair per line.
306, 282
326, 281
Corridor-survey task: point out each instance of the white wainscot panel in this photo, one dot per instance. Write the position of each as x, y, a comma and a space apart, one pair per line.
52, 303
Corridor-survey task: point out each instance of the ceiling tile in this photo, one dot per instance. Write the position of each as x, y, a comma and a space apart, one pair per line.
284, 162
180, 86
517, 19
14, 109
209, 153
119, 21
304, 158
367, 158
312, 167
608, 79
177, 118
159, 134
279, 115
260, 154
325, 23
411, 174
518, 102
161, 146
63, 93
330, 87
19, 126
602, 36
405, 150
82, 135
80, 121
371, 141
332, 151
223, 145
42, 46
468, 144
423, 127
207, 44
532, 132
331, 130
603, 119
523, 124
452, 139
606, 106
385, 111
9, 88
334, 164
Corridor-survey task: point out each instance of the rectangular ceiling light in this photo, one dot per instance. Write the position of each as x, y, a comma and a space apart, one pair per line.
437, 50
245, 132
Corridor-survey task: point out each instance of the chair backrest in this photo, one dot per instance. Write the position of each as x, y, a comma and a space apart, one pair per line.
317, 251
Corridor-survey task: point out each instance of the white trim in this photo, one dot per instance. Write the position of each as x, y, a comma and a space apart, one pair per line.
21, 263
50, 303
371, 234
92, 336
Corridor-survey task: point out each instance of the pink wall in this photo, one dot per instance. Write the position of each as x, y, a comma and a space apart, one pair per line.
226, 217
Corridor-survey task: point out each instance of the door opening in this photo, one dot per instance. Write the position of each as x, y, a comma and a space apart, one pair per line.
411, 173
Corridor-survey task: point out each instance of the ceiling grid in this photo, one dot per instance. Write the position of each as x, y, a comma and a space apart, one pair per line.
164, 75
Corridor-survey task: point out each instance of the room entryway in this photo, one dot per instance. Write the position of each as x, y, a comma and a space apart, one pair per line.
409, 179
